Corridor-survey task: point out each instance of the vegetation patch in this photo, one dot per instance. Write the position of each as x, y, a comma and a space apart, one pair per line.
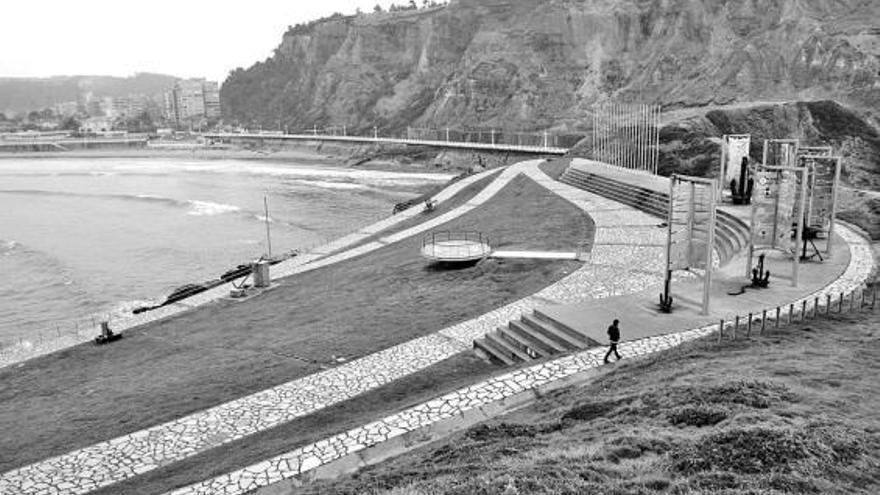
699, 416
742, 451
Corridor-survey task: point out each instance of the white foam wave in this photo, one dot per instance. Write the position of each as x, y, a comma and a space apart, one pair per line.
324, 184
205, 208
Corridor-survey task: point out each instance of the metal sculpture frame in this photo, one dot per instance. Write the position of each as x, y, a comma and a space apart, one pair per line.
809, 163
792, 155
691, 183
798, 216
726, 162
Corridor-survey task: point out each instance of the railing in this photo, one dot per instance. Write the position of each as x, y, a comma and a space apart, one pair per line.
451, 245
545, 142
855, 301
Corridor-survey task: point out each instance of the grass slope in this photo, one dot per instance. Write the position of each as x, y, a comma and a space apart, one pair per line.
86, 394
791, 412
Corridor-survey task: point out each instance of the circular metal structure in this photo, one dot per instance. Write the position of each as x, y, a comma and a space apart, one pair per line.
455, 247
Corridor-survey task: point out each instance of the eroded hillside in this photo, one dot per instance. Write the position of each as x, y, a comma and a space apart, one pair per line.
526, 64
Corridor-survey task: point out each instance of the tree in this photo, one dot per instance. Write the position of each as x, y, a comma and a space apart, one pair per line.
70, 124
377, 9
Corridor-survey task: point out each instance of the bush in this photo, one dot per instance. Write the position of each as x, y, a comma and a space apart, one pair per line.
745, 451
698, 416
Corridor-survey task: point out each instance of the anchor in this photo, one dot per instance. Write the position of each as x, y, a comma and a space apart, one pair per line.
758, 280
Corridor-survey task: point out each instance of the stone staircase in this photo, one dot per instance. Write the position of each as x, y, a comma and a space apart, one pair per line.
538, 336
731, 233
534, 336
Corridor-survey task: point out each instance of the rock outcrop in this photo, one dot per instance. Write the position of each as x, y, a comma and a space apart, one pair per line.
522, 64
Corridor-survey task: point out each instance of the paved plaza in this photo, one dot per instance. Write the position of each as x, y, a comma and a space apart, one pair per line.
626, 259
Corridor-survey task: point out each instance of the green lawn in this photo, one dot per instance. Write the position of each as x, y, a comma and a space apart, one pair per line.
86, 394
793, 412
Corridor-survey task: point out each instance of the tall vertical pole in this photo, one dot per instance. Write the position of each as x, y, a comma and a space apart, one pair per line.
268, 235
800, 228
834, 186
713, 198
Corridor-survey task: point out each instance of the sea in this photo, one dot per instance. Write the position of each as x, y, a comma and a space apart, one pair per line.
86, 238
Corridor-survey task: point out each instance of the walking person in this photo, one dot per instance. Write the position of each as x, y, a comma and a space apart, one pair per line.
614, 337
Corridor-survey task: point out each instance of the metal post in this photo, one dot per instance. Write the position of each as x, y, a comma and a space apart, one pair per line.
735, 326
721, 330
804, 310
763, 320
815, 307
493, 137
790, 312
447, 134
315, 129
375, 132
840, 303
545, 139
268, 234
749, 327
827, 303
776, 322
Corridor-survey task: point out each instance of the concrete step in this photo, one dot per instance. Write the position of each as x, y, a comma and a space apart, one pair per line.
547, 344
522, 342
548, 320
731, 233
571, 340
511, 351
488, 348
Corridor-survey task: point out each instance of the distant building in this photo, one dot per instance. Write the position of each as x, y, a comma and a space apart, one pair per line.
192, 101
96, 125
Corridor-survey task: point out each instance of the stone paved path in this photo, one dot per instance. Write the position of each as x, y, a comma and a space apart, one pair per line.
309, 457
109, 462
305, 261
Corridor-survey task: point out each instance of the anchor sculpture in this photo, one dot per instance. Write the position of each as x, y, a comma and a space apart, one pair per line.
760, 278
742, 191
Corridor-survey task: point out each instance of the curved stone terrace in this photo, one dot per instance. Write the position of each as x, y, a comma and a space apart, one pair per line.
615, 273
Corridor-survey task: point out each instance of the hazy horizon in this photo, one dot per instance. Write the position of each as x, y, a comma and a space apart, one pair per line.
196, 38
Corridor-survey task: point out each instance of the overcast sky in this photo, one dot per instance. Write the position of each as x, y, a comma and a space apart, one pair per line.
186, 38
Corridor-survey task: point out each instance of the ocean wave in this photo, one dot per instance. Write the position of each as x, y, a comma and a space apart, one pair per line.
323, 184
206, 208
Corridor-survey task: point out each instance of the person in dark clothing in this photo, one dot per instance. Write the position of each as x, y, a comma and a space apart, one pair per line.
614, 337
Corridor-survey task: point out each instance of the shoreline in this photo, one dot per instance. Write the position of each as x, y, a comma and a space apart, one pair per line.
288, 156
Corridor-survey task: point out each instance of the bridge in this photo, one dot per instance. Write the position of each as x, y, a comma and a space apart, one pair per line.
543, 149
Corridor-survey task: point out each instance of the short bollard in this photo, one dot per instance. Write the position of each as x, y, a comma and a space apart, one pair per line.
790, 312
840, 303
749, 327
720, 329
735, 326
815, 308
804, 310
776, 322
763, 320
827, 304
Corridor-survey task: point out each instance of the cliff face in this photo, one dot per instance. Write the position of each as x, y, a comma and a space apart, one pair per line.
524, 64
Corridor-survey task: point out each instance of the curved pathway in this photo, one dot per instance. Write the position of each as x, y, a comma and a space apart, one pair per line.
108, 462
614, 271
482, 399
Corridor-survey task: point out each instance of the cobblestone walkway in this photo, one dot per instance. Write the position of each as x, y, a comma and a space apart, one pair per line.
309, 457
305, 261
616, 268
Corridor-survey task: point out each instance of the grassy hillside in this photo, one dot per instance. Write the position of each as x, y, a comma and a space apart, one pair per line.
795, 411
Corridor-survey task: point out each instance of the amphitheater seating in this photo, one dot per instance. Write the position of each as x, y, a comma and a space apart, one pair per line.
538, 336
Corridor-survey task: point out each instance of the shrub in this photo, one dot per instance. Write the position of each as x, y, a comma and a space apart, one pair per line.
699, 416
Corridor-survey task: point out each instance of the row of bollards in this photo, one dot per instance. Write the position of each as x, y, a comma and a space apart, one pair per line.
855, 301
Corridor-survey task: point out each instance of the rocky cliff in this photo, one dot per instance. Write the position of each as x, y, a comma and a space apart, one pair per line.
527, 64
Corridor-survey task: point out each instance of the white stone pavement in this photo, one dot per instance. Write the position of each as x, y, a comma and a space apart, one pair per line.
108, 462
112, 461
305, 261
309, 457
